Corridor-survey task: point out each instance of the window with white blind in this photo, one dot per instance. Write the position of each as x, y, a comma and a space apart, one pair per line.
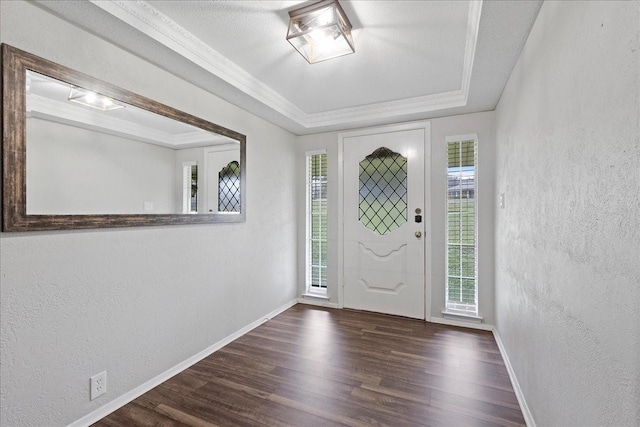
189, 188
229, 188
462, 260
316, 197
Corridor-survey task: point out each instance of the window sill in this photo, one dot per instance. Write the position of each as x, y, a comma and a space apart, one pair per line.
316, 296
465, 317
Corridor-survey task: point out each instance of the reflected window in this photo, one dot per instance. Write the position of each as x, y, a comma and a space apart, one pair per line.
383, 191
229, 188
189, 188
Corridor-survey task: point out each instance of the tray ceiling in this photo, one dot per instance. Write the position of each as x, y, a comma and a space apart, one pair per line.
414, 59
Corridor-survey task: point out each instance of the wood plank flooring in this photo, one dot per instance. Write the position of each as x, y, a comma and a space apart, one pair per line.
314, 366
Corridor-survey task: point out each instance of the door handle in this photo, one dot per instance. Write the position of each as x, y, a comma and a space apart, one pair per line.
418, 234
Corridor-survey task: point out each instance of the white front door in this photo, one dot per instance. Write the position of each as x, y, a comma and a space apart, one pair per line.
217, 158
384, 221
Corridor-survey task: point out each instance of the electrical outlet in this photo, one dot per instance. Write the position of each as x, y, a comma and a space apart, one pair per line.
98, 384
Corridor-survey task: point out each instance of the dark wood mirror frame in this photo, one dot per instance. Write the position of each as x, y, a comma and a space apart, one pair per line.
15, 64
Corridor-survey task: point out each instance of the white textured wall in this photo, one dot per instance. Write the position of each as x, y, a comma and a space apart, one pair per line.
135, 302
480, 124
568, 241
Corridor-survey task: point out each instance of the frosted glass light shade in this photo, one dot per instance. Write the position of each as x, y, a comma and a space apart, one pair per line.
320, 31
93, 100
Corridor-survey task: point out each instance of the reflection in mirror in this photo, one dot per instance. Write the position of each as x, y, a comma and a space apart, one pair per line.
229, 188
87, 154
80, 153
220, 195
189, 187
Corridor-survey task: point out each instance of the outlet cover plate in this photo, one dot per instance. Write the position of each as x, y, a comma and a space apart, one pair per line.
98, 385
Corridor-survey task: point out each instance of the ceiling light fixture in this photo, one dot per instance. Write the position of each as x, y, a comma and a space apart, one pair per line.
320, 31
93, 100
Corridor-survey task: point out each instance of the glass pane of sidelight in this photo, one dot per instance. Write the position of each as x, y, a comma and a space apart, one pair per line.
461, 227
317, 223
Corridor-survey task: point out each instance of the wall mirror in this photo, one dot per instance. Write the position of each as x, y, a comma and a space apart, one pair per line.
81, 153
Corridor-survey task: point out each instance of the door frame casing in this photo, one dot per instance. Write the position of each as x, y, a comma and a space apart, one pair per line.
426, 126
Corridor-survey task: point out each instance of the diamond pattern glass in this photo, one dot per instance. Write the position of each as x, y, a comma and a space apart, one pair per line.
229, 188
383, 191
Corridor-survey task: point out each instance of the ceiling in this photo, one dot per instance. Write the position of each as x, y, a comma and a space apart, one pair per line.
414, 59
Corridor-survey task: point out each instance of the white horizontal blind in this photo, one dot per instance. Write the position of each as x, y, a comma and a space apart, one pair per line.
462, 284
317, 223
189, 187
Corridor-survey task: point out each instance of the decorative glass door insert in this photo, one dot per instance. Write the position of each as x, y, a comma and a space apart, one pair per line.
229, 188
383, 191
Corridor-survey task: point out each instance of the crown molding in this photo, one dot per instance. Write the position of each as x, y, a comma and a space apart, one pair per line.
148, 20
473, 26
419, 104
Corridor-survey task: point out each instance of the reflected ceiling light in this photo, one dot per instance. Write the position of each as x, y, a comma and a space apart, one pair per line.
320, 31
93, 100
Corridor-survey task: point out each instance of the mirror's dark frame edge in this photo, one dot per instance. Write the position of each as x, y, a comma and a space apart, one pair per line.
15, 64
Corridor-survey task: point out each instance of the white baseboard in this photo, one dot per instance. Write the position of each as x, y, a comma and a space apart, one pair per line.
119, 402
526, 413
463, 324
316, 301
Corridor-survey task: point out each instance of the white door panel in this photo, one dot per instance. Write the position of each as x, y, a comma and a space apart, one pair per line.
383, 260
216, 158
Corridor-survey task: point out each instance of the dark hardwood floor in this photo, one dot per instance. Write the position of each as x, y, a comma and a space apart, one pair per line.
313, 366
